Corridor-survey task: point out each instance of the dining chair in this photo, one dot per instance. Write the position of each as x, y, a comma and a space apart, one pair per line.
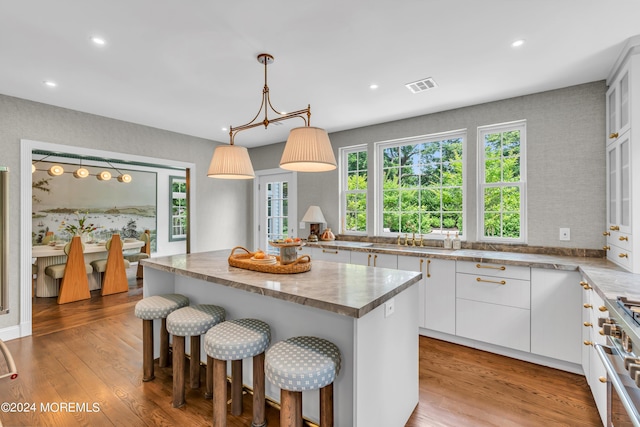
100, 265
115, 274
74, 285
145, 252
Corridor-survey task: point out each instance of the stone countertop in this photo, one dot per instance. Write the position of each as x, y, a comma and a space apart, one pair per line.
346, 289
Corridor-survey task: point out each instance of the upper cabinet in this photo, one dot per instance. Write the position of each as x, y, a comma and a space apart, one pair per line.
623, 151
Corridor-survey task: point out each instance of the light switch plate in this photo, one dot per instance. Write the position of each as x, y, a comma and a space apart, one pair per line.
565, 234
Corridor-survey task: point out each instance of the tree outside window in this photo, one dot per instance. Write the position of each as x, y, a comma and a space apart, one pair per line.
355, 181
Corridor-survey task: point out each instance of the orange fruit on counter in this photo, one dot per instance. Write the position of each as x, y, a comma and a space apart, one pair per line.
259, 255
288, 240
297, 239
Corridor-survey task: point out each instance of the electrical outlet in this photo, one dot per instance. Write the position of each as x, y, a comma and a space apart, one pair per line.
565, 234
389, 307
302, 225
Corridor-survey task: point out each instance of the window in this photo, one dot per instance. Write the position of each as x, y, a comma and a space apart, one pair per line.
178, 225
502, 182
421, 185
354, 180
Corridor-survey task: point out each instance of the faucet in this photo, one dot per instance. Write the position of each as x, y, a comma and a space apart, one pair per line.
398, 242
413, 240
406, 239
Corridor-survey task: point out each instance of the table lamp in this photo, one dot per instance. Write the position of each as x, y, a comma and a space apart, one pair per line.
314, 217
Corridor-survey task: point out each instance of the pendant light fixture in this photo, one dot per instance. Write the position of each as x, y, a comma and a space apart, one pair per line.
308, 149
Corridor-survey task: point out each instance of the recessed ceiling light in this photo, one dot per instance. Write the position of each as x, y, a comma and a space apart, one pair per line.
98, 40
49, 83
373, 86
517, 43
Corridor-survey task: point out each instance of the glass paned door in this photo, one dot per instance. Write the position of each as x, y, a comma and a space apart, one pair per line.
277, 209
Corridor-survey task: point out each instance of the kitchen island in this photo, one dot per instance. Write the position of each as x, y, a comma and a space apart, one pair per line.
371, 314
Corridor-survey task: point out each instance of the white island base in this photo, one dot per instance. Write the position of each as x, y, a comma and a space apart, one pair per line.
378, 381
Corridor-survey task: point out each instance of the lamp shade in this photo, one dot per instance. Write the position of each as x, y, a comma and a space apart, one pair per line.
230, 162
81, 173
314, 215
308, 149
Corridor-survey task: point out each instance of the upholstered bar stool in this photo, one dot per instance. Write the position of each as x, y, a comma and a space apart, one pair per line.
299, 364
236, 340
149, 309
191, 321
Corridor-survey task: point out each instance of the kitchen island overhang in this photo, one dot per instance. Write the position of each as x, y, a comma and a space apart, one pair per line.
343, 303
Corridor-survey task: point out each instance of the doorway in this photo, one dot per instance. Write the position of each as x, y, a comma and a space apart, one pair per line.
276, 202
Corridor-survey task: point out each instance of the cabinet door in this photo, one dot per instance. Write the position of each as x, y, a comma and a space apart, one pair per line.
556, 314
322, 254
587, 329
374, 260
409, 263
619, 186
440, 295
618, 110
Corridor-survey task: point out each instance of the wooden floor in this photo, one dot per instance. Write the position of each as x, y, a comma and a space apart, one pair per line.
88, 356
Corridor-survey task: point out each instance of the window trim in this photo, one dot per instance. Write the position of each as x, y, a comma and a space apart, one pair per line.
172, 237
522, 184
377, 176
343, 152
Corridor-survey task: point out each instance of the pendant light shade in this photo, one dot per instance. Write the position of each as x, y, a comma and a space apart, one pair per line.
81, 173
230, 162
308, 149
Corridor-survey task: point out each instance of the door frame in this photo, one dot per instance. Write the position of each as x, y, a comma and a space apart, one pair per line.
293, 198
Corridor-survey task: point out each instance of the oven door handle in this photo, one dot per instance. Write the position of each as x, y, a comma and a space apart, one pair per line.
617, 384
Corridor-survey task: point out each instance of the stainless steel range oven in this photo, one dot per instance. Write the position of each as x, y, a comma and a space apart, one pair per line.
622, 365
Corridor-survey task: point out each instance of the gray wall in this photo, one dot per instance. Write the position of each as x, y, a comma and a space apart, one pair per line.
221, 210
565, 161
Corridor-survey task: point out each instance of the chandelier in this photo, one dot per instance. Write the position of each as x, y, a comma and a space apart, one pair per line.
308, 148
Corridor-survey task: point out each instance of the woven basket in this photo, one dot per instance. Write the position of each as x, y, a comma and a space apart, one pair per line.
243, 260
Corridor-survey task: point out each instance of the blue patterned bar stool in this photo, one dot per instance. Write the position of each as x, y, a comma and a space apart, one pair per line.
303, 363
191, 321
236, 340
149, 309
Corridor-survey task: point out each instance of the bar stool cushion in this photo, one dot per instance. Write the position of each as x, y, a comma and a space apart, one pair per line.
237, 339
56, 271
100, 265
159, 306
194, 319
302, 363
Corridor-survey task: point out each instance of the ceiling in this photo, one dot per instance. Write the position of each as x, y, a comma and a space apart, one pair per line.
190, 67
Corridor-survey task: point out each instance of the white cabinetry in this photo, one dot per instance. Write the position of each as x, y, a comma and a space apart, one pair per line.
623, 151
493, 304
556, 316
322, 254
593, 368
437, 291
374, 259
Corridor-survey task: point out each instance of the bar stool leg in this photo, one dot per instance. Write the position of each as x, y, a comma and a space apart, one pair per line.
220, 393
164, 344
147, 350
259, 416
326, 406
291, 408
194, 366
208, 394
178, 371
236, 387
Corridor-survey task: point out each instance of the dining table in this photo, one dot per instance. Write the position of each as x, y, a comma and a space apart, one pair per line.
46, 255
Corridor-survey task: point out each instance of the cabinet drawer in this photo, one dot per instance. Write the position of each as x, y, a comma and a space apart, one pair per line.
620, 240
495, 270
494, 324
510, 292
620, 256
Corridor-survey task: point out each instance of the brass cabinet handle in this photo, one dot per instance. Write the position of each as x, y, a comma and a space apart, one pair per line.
375, 260
501, 282
588, 343
606, 233
329, 252
602, 308
587, 324
585, 285
623, 238
428, 268
613, 135
614, 228
623, 255
502, 267
602, 379
587, 306
606, 248
601, 332
369, 260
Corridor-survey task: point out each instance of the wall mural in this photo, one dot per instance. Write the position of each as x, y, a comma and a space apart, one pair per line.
111, 206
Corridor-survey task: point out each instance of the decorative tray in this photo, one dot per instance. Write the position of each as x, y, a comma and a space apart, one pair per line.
244, 260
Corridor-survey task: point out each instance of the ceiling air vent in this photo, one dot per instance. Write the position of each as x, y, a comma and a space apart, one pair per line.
422, 85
